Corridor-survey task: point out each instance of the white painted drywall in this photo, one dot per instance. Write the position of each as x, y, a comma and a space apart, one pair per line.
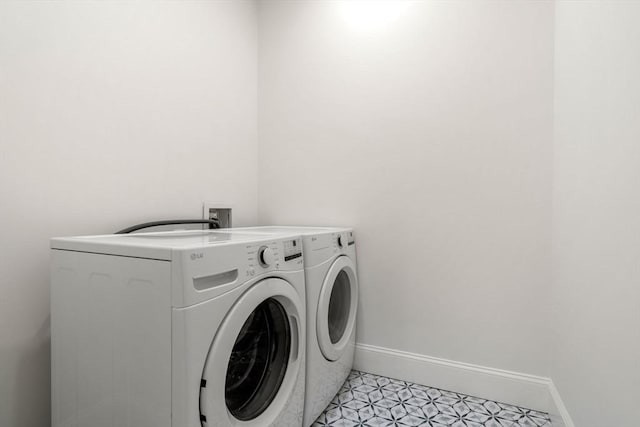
428, 127
111, 113
432, 136
596, 291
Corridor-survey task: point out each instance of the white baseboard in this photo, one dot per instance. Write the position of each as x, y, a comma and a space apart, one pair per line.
524, 390
559, 415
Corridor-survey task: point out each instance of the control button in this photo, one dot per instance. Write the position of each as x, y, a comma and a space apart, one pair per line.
342, 241
266, 257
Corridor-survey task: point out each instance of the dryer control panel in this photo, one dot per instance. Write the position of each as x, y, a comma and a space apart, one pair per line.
322, 247
343, 240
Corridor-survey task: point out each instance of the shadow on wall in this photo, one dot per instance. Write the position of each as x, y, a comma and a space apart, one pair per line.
32, 389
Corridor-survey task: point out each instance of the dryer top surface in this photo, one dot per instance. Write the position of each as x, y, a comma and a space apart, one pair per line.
299, 230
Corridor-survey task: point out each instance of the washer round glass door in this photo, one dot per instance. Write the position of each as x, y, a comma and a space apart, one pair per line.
253, 362
337, 306
258, 361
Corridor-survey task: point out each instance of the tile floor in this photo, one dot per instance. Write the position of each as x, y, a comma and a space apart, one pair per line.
372, 400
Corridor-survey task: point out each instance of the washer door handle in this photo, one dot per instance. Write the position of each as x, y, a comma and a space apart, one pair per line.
295, 338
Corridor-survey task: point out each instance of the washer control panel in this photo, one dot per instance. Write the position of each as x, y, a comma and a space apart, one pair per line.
266, 256
292, 249
281, 254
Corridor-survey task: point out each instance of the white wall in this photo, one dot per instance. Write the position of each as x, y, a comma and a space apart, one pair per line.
597, 211
432, 136
111, 114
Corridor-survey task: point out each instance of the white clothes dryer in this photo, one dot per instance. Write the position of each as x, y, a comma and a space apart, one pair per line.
178, 329
332, 301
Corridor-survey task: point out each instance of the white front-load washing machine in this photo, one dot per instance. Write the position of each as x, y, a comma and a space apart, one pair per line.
332, 301
178, 329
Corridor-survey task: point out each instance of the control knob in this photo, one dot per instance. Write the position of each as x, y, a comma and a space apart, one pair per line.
266, 257
342, 241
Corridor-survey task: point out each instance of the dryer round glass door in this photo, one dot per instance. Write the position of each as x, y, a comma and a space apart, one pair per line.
337, 306
254, 359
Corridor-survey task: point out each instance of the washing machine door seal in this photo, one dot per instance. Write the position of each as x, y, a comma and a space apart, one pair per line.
337, 307
254, 359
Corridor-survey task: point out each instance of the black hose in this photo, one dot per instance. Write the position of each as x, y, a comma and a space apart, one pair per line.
213, 224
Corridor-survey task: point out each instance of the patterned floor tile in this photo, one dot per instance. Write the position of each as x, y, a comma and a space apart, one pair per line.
374, 401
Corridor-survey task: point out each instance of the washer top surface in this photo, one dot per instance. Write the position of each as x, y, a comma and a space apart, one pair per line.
158, 245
